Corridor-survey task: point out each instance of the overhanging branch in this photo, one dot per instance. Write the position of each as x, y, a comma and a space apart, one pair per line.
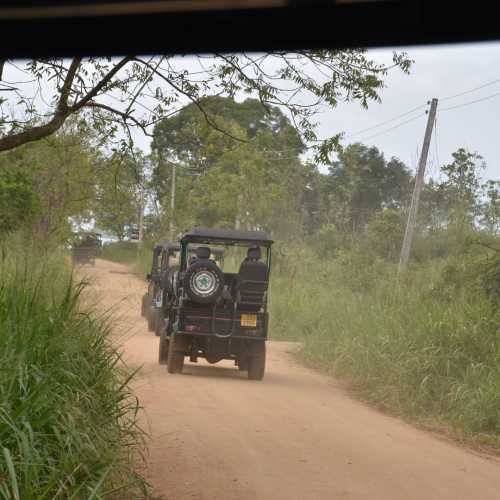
41, 131
97, 88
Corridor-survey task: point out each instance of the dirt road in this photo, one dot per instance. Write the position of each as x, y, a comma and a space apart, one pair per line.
294, 436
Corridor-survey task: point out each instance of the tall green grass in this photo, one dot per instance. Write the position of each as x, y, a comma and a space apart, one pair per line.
68, 421
408, 346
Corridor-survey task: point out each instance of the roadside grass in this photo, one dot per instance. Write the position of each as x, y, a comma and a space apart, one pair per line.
68, 421
406, 346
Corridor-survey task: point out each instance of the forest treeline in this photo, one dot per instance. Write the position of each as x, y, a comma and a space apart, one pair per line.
262, 180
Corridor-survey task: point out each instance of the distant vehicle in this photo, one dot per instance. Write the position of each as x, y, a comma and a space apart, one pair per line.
214, 314
85, 247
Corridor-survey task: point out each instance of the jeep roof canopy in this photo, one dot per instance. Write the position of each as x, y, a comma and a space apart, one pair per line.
175, 247
227, 237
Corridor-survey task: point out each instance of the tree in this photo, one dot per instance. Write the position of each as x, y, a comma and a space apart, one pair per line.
18, 202
221, 181
462, 185
136, 92
188, 139
60, 171
435, 207
385, 233
120, 193
361, 183
490, 209
312, 206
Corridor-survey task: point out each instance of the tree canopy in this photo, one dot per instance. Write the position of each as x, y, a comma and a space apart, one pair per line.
137, 92
362, 182
120, 194
228, 182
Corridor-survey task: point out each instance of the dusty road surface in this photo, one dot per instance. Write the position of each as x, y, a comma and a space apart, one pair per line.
296, 435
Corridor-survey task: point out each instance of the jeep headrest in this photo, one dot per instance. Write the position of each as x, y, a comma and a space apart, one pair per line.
254, 253
203, 253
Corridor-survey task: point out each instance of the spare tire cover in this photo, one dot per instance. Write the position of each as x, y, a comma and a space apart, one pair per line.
203, 281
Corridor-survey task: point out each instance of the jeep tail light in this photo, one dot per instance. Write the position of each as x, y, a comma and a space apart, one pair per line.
192, 328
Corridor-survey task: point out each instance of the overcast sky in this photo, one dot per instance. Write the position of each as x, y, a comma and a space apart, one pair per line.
438, 71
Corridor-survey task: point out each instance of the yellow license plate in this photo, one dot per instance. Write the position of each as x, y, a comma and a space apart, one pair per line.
249, 320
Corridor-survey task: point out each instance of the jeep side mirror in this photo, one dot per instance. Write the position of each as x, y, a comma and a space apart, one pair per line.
148, 276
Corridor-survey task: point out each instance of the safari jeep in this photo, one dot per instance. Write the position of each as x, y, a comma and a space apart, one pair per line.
216, 312
153, 278
158, 298
169, 264
85, 247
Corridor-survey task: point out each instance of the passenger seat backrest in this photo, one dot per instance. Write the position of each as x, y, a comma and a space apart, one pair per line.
251, 282
203, 253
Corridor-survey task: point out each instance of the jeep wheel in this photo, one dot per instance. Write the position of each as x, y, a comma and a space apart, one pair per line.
160, 323
175, 361
144, 305
203, 281
163, 349
257, 362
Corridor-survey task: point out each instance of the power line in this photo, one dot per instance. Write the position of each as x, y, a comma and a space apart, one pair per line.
409, 121
409, 112
381, 124
487, 84
392, 128
431, 167
470, 90
471, 102
387, 121
361, 140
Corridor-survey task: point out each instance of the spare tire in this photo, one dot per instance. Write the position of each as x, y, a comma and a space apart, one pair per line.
203, 281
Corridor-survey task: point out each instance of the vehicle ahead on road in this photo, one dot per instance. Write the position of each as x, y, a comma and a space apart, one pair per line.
153, 277
85, 247
158, 297
216, 313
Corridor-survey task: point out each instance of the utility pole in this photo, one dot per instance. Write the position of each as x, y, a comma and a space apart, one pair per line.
419, 182
172, 203
141, 218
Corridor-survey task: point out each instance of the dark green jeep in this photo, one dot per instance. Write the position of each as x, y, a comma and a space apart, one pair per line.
215, 312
